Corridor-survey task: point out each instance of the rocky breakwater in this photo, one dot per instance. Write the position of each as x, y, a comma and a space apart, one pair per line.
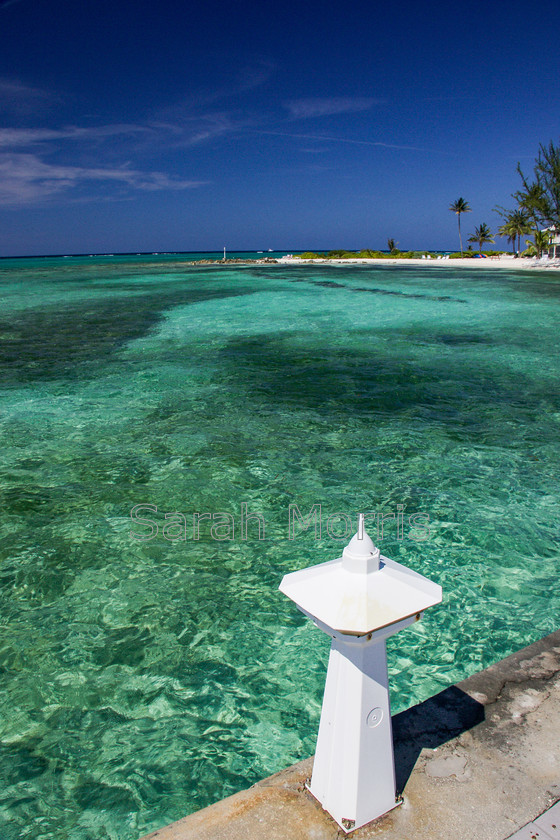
232, 261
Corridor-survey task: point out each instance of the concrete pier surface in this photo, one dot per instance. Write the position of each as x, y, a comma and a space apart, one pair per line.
479, 760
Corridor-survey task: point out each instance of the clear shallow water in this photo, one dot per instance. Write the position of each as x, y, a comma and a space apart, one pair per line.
140, 680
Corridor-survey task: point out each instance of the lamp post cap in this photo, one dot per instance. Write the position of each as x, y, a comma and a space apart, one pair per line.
361, 592
361, 555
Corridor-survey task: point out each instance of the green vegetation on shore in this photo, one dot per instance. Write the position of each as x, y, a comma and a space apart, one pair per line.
365, 254
383, 255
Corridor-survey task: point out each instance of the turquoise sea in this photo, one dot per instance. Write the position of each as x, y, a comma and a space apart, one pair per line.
143, 679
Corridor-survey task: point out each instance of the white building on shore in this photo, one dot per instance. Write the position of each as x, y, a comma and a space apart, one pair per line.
553, 242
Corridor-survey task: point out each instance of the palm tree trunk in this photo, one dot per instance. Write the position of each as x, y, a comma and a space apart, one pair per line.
460, 240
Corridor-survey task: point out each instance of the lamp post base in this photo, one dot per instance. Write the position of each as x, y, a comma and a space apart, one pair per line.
348, 825
354, 772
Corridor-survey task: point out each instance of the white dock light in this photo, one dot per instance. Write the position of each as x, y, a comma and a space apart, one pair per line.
360, 600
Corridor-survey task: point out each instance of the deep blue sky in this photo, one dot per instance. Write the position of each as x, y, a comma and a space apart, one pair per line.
148, 126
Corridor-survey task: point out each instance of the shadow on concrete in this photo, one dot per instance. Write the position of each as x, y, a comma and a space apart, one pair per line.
431, 724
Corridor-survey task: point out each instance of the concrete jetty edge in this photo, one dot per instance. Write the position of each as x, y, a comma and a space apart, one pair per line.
479, 760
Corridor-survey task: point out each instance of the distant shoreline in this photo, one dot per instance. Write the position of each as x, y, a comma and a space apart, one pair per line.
170, 259
468, 262
519, 264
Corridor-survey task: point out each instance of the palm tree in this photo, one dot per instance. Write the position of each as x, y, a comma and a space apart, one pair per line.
458, 207
540, 244
516, 225
541, 197
511, 235
481, 235
530, 202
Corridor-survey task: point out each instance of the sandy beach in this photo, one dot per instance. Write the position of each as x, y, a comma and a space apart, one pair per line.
469, 262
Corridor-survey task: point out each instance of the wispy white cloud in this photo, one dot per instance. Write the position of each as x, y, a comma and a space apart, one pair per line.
197, 118
193, 129
189, 131
50, 159
85, 154
330, 139
26, 179
18, 137
316, 107
248, 78
20, 99
185, 126
13, 87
